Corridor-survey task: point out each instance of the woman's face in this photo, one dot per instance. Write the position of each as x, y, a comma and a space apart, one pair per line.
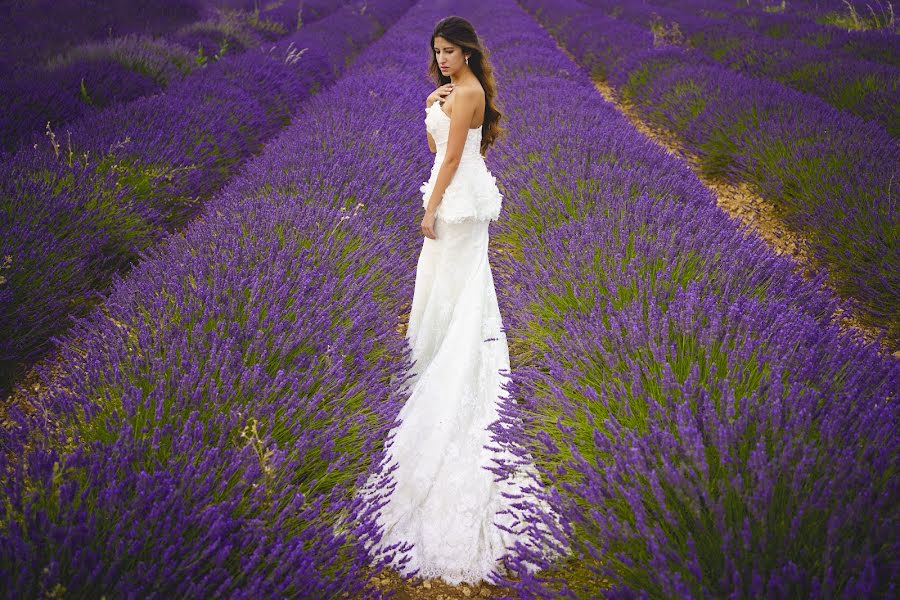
449, 56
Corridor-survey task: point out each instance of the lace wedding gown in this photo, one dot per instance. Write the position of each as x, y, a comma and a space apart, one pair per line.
446, 503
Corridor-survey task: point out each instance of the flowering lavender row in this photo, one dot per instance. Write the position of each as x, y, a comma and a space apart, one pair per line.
247, 24
706, 430
96, 74
870, 90
79, 209
870, 15
813, 6
813, 23
36, 30
210, 424
879, 44
244, 376
155, 335
830, 174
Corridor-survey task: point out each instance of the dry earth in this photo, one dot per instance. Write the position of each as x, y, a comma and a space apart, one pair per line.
436, 589
738, 200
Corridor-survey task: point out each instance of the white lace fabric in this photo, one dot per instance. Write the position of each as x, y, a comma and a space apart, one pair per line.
446, 502
472, 193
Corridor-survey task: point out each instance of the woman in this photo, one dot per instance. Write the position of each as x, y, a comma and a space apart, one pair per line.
446, 502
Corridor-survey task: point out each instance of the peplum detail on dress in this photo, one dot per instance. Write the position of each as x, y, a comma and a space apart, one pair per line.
472, 193
466, 198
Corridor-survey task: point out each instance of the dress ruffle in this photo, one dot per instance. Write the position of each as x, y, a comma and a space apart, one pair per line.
471, 195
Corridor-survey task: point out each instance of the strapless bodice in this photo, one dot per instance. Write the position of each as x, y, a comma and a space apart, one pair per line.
473, 192
437, 123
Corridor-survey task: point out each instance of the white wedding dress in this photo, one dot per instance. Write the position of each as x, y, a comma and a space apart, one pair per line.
446, 502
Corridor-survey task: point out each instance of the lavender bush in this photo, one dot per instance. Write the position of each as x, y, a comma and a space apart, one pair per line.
242, 378
36, 30
816, 24
830, 174
707, 430
867, 89
854, 16
96, 74
80, 207
862, 87
38, 97
210, 425
237, 29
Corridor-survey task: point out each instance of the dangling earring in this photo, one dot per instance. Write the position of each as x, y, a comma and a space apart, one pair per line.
467, 60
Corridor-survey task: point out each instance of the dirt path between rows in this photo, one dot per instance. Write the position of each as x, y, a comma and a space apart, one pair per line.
437, 589
738, 200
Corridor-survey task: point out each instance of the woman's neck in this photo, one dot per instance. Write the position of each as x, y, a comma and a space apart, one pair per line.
462, 77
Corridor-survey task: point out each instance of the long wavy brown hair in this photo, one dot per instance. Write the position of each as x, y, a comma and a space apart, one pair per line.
457, 30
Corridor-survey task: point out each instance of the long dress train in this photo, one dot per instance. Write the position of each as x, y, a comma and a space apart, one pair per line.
446, 503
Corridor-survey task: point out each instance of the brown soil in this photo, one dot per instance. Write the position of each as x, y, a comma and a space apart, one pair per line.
25, 393
737, 199
436, 589
31, 387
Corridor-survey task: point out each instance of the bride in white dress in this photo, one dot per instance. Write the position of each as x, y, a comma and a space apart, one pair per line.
446, 502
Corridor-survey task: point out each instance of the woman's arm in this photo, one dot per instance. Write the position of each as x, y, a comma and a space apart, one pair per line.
431, 144
463, 110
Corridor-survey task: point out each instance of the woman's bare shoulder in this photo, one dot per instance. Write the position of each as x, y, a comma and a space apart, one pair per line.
471, 91
476, 88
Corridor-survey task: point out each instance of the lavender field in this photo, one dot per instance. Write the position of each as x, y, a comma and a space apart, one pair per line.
207, 260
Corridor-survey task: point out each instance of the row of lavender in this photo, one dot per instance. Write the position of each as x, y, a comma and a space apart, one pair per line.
36, 30
81, 208
868, 89
707, 431
829, 174
246, 372
96, 74
863, 28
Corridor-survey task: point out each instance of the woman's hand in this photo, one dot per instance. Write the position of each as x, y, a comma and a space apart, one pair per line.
428, 225
438, 94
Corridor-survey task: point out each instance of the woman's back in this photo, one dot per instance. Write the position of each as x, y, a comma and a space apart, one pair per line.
472, 193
